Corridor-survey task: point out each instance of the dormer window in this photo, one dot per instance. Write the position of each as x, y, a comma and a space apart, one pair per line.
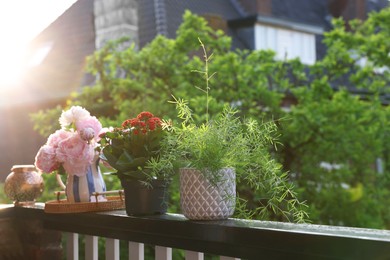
287, 44
288, 39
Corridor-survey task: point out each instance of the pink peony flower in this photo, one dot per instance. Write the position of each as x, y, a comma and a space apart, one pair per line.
89, 122
73, 115
75, 154
45, 160
77, 167
73, 146
57, 137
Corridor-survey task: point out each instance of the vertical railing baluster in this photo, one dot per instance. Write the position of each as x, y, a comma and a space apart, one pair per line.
163, 253
228, 258
112, 249
136, 251
72, 246
91, 247
191, 255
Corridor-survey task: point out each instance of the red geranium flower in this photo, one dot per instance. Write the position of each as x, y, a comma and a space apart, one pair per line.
144, 115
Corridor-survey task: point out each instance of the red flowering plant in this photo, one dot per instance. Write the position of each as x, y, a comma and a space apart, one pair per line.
134, 148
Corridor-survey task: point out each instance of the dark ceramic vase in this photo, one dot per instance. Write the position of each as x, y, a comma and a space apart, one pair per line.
145, 200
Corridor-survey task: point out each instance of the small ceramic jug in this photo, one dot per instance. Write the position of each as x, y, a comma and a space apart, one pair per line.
81, 188
23, 185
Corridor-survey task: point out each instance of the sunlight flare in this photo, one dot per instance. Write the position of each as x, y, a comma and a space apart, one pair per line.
20, 22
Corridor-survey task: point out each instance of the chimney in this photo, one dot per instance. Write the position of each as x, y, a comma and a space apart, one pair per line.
216, 22
348, 9
337, 7
263, 7
361, 10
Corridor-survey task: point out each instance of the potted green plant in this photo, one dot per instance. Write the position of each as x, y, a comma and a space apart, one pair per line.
221, 151
132, 150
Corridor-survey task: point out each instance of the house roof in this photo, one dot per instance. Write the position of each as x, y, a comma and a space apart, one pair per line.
313, 12
165, 16
272, 21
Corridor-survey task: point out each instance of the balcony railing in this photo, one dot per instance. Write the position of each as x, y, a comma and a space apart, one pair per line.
30, 233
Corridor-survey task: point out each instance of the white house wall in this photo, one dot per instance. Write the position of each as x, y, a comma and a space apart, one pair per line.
286, 43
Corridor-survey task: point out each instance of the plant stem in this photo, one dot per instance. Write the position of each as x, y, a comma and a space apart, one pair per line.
206, 72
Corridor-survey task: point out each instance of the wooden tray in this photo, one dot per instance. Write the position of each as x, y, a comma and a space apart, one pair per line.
63, 206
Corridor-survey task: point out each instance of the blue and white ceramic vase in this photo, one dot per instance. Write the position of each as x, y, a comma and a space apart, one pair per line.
81, 188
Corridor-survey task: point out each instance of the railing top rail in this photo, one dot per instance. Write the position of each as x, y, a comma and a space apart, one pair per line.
232, 237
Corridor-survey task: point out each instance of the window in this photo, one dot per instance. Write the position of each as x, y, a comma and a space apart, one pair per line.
40, 54
286, 43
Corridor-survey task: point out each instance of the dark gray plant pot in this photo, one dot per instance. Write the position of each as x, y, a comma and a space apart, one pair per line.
144, 200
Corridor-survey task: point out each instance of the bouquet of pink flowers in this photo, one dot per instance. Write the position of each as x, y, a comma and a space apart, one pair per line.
72, 148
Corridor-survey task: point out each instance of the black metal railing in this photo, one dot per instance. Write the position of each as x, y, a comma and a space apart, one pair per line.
233, 237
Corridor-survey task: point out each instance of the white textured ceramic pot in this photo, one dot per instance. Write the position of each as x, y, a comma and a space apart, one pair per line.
202, 200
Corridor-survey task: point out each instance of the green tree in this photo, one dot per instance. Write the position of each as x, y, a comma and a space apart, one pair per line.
340, 121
